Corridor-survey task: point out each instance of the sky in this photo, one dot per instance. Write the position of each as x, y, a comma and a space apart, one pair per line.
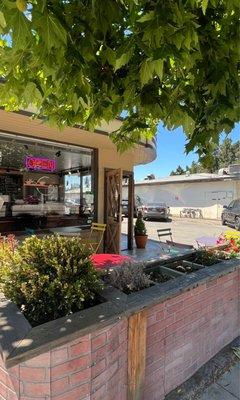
170, 153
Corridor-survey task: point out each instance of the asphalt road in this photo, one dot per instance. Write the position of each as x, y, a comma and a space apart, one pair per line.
184, 230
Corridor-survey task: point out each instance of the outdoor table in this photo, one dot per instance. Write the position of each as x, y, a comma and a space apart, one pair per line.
207, 241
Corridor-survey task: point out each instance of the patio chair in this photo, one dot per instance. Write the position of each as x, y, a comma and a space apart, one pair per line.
164, 232
94, 237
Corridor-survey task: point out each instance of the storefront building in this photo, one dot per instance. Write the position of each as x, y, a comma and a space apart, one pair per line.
51, 178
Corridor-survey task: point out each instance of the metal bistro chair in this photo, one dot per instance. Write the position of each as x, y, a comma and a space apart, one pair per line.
93, 238
164, 232
170, 243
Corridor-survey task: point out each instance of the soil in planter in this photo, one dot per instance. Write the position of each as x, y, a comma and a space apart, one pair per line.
159, 277
186, 267
129, 290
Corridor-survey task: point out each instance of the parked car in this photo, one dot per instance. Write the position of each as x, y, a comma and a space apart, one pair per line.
231, 214
155, 211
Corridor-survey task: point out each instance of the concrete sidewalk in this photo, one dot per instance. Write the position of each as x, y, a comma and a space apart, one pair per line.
226, 388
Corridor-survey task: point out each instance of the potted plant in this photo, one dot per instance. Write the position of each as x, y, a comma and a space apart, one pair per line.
140, 232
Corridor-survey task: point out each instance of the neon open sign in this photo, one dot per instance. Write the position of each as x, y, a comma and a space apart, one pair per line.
40, 164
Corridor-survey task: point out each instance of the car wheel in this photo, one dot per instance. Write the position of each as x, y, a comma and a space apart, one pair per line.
237, 223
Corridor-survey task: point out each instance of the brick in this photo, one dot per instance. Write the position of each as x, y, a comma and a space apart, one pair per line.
156, 337
100, 394
123, 336
60, 385
173, 308
3, 376
84, 338
70, 366
99, 341
160, 315
59, 356
155, 376
80, 348
80, 377
175, 326
40, 361
32, 398
113, 344
111, 357
151, 319
99, 354
77, 393
98, 368
31, 374
104, 376
11, 395
36, 389
3, 390
156, 308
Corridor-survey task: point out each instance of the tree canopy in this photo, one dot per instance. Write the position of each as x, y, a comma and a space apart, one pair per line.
225, 154
84, 61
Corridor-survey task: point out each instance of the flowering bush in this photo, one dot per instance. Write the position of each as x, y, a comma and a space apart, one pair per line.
8, 241
234, 246
49, 277
228, 235
7, 244
232, 241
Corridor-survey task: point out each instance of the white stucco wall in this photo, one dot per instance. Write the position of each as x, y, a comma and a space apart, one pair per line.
208, 196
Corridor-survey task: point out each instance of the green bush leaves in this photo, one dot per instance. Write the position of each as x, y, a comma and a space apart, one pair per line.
49, 277
84, 62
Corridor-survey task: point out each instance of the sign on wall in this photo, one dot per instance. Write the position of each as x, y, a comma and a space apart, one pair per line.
40, 164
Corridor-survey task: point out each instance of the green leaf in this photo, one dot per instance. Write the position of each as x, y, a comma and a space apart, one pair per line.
2, 20
110, 56
157, 67
21, 35
123, 60
32, 94
188, 40
52, 32
147, 17
204, 6
145, 72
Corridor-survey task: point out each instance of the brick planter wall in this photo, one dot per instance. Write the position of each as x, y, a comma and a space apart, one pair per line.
182, 333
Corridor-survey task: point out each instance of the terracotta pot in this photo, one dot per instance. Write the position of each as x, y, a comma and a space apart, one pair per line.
141, 241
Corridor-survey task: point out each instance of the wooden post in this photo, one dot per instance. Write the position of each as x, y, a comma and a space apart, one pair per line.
131, 202
136, 354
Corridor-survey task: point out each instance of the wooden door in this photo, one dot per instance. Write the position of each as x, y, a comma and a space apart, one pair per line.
113, 211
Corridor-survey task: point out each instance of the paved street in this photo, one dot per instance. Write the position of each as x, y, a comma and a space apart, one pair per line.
226, 388
184, 230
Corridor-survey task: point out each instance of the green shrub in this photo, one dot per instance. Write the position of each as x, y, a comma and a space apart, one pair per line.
140, 227
49, 277
129, 278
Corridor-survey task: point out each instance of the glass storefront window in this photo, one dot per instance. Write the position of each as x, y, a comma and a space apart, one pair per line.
43, 185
